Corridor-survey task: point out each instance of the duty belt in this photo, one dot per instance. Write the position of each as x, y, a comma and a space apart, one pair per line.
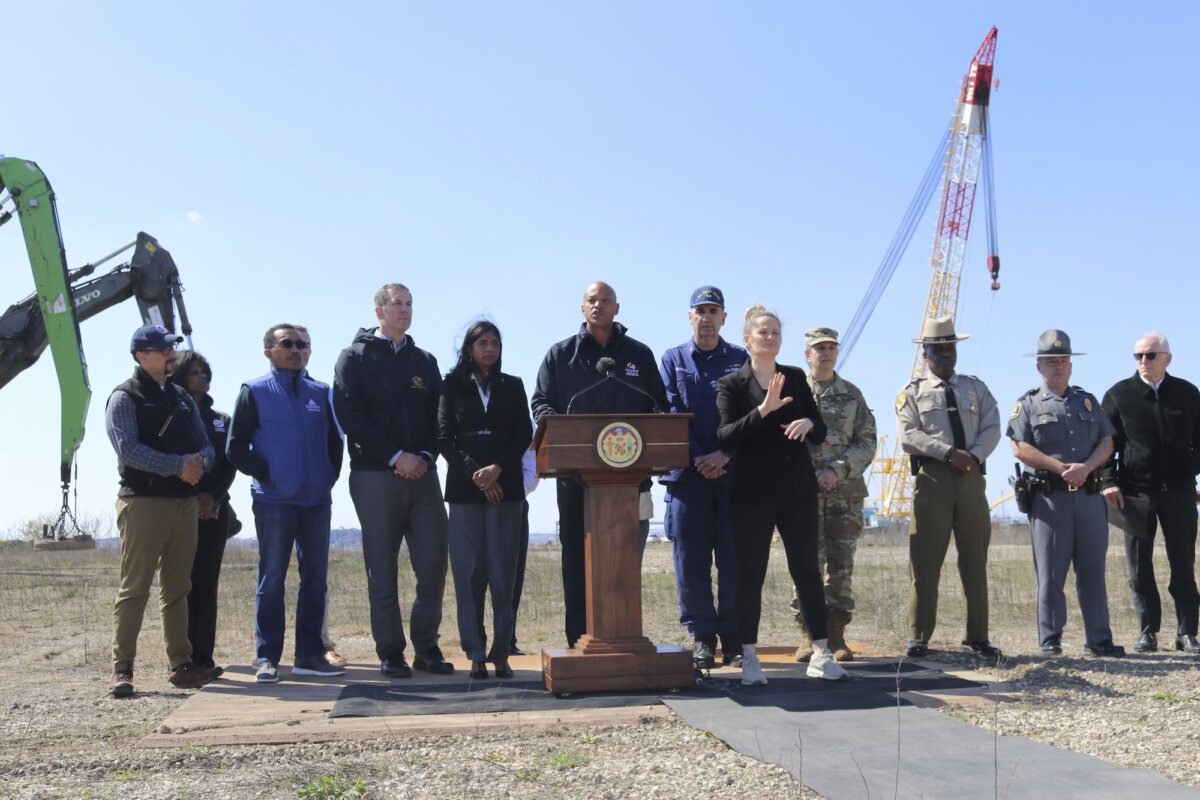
1054, 483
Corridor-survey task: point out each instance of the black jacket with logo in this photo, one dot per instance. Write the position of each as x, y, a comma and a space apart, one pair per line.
570, 367
386, 400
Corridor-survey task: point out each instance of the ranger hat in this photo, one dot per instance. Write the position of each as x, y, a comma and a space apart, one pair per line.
939, 331
1053, 343
817, 335
152, 337
707, 295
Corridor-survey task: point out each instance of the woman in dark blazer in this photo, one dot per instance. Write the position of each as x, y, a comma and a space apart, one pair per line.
767, 412
483, 431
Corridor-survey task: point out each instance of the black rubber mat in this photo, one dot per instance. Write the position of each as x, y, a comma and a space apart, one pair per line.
868, 687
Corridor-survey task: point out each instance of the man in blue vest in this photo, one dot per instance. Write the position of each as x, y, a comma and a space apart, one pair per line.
162, 452
284, 437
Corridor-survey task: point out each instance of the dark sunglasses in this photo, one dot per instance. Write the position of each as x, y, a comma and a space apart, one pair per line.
288, 344
1149, 356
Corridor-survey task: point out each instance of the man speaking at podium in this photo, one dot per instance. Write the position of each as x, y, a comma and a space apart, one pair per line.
600, 370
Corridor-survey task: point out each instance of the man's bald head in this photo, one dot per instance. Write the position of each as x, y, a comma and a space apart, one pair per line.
599, 309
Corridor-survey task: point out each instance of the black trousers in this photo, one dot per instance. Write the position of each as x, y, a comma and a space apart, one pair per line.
753, 525
1176, 512
574, 573
206, 576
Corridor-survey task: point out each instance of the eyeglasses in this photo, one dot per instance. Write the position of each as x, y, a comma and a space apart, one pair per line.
288, 344
1149, 356
163, 350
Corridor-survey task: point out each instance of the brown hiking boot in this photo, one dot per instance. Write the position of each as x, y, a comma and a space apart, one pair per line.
838, 620
122, 684
804, 651
190, 676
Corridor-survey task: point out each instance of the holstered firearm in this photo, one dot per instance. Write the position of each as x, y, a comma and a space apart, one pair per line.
1023, 484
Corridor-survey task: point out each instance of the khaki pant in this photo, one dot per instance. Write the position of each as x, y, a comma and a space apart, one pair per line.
157, 534
945, 503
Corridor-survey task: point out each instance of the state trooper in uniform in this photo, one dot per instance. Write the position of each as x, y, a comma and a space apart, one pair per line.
1060, 432
949, 425
840, 462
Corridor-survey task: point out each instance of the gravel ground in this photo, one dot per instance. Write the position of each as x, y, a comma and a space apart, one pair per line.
62, 737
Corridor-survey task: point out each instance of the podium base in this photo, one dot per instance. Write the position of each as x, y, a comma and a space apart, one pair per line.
567, 671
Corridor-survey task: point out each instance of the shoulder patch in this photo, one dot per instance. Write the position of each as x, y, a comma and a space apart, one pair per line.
1016, 412
901, 399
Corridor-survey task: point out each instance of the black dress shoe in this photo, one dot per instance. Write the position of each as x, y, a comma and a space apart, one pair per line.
515, 651
1052, 647
1106, 649
479, 671
704, 654
1146, 643
395, 667
503, 670
433, 662
984, 649
1187, 643
916, 650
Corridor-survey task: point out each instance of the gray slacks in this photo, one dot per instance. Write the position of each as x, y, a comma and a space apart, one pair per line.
392, 510
1070, 528
485, 543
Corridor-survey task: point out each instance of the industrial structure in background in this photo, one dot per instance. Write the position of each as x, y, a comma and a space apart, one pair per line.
963, 158
50, 317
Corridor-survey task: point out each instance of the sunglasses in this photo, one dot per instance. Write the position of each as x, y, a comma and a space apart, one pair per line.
1149, 356
288, 344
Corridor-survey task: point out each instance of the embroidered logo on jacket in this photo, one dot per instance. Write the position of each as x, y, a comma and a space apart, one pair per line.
418, 382
311, 405
631, 370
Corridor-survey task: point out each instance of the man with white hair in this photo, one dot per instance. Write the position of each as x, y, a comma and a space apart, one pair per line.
1151, 481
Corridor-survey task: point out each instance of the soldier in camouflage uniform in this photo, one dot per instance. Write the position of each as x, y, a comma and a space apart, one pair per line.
840, 462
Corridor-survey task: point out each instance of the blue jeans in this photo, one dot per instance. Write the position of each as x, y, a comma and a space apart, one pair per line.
279, 528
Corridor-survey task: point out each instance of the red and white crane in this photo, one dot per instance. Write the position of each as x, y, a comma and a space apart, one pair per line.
964, 157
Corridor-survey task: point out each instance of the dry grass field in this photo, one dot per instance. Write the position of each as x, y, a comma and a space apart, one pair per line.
62, 737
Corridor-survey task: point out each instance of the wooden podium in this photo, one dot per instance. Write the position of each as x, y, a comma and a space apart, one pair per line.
611, 454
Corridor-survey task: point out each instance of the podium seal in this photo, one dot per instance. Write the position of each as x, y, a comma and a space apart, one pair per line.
619, 444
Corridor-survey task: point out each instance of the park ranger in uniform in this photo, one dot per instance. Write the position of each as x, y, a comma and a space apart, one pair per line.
1061, 433
948, 424
840, 462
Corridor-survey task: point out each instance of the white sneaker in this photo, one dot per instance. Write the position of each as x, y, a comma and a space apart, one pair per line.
826, 667
266, 672
752, 671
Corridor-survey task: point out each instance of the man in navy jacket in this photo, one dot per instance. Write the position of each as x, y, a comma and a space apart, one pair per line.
284, 437
568, 383
385, 393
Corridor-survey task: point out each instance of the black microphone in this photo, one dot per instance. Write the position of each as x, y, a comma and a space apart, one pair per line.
605, 366
609, 366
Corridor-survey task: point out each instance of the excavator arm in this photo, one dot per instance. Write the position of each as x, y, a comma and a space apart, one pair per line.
25, 191
50, 317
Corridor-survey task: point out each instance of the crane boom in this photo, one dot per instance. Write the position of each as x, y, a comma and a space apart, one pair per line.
967, 159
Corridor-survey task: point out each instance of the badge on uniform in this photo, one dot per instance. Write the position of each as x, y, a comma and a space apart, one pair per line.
1016, 412
1087, 403
900, 401
974, 408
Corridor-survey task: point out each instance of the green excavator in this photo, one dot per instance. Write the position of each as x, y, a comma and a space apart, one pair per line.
50, 317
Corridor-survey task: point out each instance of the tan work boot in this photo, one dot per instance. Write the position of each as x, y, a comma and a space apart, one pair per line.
838, 620
805, 650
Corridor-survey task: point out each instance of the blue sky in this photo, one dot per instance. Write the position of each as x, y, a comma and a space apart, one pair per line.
497, 158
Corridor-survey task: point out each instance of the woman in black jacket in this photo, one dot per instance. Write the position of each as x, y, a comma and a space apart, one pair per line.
767, 412
194, 375
483, 431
